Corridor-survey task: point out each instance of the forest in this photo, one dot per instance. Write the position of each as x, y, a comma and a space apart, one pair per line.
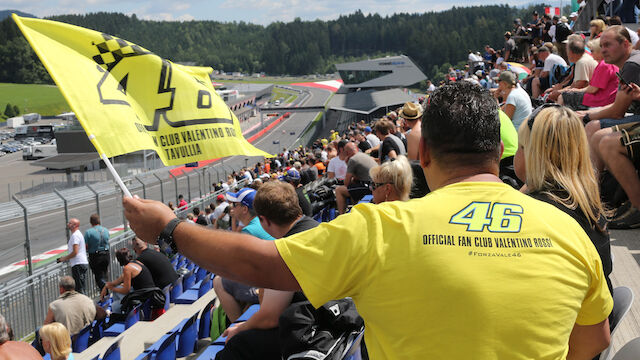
434, 40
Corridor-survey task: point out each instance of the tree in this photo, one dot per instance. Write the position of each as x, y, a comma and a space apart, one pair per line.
16, 110
9, 111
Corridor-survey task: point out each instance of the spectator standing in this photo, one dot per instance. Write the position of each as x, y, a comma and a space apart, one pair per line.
561, 34
517, 103
411, 113
573, 17
77, 256
97, 240
14, 350
371, 138
200, 218
182, 203
73, 310
534, 25
391, 146
391, 247
220, 217
509, 47
159, 266
258, 337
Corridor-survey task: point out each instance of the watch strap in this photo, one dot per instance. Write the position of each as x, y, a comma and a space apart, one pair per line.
167, 233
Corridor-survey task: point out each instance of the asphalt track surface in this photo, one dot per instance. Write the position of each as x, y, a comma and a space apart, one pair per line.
47, 229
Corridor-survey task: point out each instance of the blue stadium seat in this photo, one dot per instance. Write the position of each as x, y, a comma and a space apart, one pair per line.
200, 274
118, 328
167, 297
191, 295
97, 330
113, 352
146, 311
176, 289
187, 337
247, 314
189, 280
366, 199
190, 265
167, 350
80, 341
204, 322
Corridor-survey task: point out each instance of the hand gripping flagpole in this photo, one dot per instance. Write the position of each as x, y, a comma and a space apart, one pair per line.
107, 162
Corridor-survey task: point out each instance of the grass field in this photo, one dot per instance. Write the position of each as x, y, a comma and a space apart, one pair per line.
42, 99
286, 96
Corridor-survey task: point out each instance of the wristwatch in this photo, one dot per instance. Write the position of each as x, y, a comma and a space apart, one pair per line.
586, 118
165, 239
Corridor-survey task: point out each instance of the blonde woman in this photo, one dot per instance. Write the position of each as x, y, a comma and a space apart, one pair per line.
56, 341
596, 27
553, 161
391, 181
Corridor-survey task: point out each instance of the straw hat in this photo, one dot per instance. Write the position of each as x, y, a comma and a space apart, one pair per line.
411, 111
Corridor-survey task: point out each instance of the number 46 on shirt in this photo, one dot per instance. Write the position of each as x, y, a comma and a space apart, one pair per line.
497, 217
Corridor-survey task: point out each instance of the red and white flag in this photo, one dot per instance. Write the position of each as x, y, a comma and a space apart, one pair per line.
551, 11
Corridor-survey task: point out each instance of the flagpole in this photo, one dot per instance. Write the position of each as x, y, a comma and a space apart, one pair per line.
112, 170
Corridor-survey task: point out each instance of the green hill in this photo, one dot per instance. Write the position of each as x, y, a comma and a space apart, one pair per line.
42, 99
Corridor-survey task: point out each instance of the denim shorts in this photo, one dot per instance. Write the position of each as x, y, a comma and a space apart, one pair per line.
607, 123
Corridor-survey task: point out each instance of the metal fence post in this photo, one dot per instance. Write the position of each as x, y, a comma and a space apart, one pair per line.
199, 183
161, 187
97, 198
144, 187
27, 243
124, 218
189, 187
175, 183
209, 177
66, 212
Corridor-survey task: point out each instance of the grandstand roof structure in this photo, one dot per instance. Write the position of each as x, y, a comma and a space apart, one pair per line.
367, 101
386, 72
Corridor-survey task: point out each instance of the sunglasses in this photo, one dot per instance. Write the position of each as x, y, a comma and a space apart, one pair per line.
375, 185
536, 111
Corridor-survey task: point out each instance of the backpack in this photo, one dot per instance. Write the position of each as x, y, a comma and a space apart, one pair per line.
559, 73
562, 32
319, 334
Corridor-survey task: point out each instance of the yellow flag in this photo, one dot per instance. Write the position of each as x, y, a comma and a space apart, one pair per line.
129, 99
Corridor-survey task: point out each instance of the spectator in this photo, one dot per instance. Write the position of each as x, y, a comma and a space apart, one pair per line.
162, 272
517, 104
430, 87
619, 152
430, 251
582, 71
234, 295
337, 167
542, 82
362, 142
135, 276
14, 350
258, 338
208, 213
573, 17
616, 49
356, 182
534, 25
200, 218
391, 146
596, 28
602, 88
56, 341
391, 181
373, 140
220, 217
553, 161
509, 47
73, 310
615, 20
77, 255
97, 239
292, 176
546, 26
412, 115
182, 203
171, 206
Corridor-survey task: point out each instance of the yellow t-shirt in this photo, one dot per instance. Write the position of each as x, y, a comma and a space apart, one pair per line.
470, 271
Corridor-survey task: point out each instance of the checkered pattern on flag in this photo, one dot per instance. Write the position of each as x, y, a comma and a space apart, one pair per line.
129, 99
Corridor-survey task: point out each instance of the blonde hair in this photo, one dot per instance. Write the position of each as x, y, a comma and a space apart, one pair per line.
397, 173
557, 158
59, 339
600, 26
594, 45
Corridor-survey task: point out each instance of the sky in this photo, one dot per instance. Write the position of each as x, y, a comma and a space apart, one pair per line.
254, 11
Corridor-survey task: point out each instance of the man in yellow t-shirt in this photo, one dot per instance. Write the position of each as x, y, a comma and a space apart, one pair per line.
475, 269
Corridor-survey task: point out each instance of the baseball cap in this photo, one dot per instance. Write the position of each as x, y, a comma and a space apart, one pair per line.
367, 129
508, 77
220, 197
244, 196
573, 14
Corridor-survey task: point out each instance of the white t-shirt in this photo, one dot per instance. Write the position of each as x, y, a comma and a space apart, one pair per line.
219, 210
373, 140
247, 175
81, 257
634, 36
551, 60
522, 102
225, 187
323, 155
338, 167
431, 88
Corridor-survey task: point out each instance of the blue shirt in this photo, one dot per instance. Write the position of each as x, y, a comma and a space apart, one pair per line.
97, 239
254, 228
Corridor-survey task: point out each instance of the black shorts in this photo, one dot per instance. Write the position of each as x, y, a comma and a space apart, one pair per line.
573, 100
544, 83
241, 292
630, 139
358, 189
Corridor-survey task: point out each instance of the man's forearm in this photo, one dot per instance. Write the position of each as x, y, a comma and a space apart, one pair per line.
235, 256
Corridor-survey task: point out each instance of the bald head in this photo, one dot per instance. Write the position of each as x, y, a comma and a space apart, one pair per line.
350, 149
73, 224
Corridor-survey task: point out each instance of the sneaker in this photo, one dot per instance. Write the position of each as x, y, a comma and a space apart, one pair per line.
626, 217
